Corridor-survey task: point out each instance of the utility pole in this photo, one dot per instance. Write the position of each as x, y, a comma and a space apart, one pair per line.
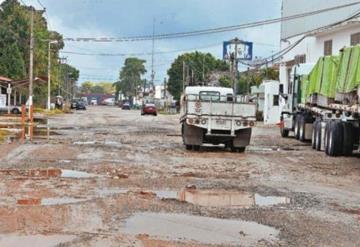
152, 55
165, 87
184, 75
49, 72
235, 67
203, 71
31, 63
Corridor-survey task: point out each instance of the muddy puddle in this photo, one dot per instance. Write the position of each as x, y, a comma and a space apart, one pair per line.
230, 199
269, 149
47, 173
206, 230
11, 240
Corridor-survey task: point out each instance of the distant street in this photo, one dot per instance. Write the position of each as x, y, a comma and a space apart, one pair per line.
127, 180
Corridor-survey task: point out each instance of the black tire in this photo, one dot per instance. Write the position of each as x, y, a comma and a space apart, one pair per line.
335, 139
284, 132
318, 136
196, 147
188, 147
238, 149
296, 126
326, 136
15, 111
314, 133
348, 139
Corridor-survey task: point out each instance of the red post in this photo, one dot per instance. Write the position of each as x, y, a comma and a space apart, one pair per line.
23, 122
31, 114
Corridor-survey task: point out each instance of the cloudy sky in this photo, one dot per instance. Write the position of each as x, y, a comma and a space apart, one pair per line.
119, 18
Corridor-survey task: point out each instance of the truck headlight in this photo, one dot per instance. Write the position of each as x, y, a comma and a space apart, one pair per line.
197, 121
245, 123
203, 121
238, 123
190, 120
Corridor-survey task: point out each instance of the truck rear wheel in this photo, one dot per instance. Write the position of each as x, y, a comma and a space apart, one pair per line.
296, 127
348, 139
313, 137
334, 145
318, 136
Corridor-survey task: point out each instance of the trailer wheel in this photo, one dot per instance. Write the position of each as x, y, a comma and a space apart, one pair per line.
314, 132
348, 139
318, 136
335, 139
296, 127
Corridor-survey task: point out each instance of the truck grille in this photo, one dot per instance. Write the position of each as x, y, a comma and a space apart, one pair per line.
221, 132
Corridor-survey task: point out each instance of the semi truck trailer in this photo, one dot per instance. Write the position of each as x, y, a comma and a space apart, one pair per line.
322, 103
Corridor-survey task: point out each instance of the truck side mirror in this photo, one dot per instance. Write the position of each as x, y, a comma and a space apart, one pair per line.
281, 88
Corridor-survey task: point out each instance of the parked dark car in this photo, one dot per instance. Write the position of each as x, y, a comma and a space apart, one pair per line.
149, 108
126, 106
78, 105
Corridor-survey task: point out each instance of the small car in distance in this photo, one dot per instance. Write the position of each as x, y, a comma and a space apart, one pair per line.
80, 105
149, 108
125, 106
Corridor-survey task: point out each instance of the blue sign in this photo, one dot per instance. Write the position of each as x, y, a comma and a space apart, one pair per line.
245, 50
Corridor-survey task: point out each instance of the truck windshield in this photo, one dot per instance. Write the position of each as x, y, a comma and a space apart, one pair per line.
209, 96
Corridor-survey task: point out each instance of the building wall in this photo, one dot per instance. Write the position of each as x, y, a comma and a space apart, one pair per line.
298, 26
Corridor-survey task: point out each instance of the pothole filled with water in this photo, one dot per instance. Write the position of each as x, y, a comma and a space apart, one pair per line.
232, 199
185, 228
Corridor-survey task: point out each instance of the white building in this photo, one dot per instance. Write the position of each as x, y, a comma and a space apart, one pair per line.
318, 43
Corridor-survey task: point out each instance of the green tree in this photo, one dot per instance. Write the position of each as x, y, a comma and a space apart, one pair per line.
225, 81
200, 63
255, 77
130, 76
15, 22
86, 87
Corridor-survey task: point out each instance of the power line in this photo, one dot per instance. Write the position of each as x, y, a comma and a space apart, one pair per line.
149, 53
210, 30
278, 55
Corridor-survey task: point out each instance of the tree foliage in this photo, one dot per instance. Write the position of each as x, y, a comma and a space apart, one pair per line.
201, 64
100, 87
15, 20
130, 76
251, 78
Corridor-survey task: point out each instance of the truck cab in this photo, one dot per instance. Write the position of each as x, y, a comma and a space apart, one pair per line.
213, 115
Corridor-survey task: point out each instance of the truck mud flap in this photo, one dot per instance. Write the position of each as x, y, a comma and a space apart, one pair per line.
192, 135
242, 138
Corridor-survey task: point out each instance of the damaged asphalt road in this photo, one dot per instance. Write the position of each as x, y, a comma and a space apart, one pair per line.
107, 177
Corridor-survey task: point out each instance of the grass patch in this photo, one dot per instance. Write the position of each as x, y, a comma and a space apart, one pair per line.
47, 112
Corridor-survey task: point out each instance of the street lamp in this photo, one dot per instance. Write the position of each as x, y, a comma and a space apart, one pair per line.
49, 70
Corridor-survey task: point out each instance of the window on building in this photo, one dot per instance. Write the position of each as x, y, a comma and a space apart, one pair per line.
355, 39
276, 100
300, 59
328, 48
